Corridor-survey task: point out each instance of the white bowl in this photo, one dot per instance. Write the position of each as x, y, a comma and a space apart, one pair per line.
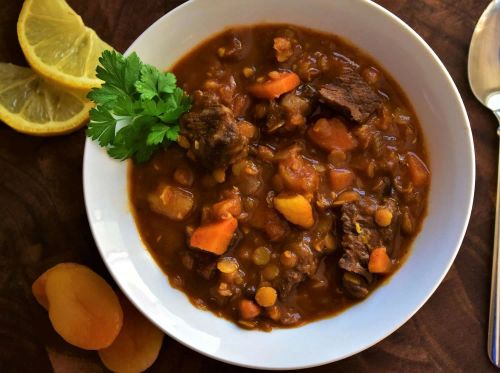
447, 131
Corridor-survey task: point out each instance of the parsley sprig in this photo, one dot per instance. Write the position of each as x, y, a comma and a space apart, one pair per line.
137, 108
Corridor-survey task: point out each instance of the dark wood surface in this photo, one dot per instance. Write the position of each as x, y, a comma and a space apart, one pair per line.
43, 221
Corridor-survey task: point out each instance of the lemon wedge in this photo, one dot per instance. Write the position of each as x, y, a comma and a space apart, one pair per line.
33, 106
58, 45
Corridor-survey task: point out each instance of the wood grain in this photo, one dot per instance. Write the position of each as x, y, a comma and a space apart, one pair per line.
43, 221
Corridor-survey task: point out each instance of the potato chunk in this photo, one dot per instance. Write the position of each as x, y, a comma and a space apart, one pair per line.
83, 309
173, 202
136, 347
295, 208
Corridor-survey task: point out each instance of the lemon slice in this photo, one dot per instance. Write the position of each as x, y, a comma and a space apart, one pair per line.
31, 105
58, 45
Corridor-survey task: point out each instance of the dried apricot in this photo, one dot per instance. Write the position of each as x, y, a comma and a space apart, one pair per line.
136, 347
38, 290
38, 287
83, 308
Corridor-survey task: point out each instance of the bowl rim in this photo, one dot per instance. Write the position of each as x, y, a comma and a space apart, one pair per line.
471, 175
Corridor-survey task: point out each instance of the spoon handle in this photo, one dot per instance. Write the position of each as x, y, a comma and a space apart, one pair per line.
494, 322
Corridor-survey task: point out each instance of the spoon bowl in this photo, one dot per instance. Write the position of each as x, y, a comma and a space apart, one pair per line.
484, 58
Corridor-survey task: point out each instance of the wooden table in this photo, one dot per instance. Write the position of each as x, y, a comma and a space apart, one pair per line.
43, 221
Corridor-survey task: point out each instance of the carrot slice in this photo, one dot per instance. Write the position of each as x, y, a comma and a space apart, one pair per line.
340, 179
214, 237
274, 88
331, 134
379, 261
419, 173
248, 309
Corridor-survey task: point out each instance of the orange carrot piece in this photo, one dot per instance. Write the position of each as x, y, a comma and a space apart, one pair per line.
274, 88
419, 173
248, 309
379, 261
214, 237
340, 179
331, 134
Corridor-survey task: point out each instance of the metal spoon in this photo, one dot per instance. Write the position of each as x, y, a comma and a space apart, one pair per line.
484, 79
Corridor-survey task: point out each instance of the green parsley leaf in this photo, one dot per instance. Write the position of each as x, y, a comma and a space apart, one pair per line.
138, 107
167, 83
173, 132
119, 152
157, 135
119, 75
153, 83
102, 126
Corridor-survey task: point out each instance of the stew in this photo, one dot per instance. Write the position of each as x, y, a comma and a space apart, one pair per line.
298, 182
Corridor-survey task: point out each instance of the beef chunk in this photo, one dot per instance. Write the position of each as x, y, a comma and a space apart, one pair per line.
360, 234
350, 94
355, 245
307, 265
213, 135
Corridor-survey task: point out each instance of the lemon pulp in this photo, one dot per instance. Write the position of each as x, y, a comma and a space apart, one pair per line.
58, 45
31, 105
